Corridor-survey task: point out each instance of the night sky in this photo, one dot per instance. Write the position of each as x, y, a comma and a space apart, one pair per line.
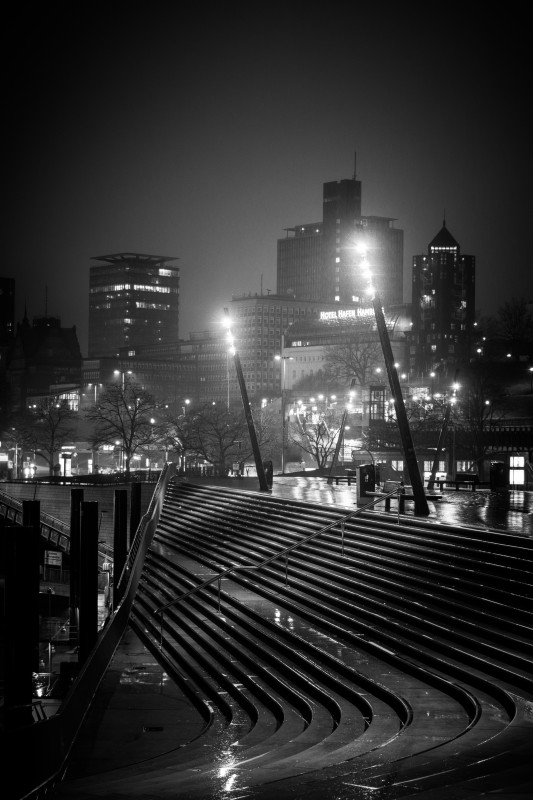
203, 135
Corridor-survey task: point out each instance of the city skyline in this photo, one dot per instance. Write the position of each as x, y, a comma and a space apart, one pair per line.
205, 144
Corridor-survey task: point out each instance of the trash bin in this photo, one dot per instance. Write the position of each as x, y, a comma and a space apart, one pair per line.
499, 476
269, 473
366, 479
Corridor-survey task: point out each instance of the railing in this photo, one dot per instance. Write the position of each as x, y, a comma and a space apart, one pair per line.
270, 559
50, 740
94, 479
52, 529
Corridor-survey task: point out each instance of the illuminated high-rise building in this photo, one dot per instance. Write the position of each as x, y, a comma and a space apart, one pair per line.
443, 306
133, 300
320, 261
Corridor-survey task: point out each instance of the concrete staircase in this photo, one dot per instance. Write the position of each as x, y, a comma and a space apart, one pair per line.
377, 660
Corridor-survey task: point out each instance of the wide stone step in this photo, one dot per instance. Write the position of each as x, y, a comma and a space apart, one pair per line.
380, 613
318, 555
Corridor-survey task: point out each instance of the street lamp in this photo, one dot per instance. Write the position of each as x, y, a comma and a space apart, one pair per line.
531, 376
421, 504
122, 374
340, 434
120, 455
261, 474
283, 359
15, 455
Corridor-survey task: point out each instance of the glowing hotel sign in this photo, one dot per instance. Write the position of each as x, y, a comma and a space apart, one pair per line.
347, 313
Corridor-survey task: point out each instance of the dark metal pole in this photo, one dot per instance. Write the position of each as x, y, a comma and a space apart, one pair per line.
440, 448
421, 504
442, 439
339, 441
88, 614
76, 499
21, 617
263, 483
120, 539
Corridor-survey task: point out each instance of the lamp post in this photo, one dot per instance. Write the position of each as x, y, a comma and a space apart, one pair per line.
421, 504
340, 436
122, 374
283, 359
263, 483
15, 455
442, 436
531, 378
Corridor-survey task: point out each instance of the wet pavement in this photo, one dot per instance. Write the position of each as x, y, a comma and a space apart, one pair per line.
502, 510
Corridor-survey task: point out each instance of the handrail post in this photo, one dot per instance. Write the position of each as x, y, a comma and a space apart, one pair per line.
161, 633
284, 553
398, 500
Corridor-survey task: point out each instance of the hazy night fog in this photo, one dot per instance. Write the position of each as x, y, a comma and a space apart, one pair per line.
203, 137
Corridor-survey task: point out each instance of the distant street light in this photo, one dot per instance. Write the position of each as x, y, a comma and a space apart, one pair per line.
122, 374
283, 359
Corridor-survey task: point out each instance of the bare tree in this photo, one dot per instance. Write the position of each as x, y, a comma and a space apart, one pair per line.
354, 357
479, 405
126, 414
46, 428
515, 325
315, 436
218, 434
179, 435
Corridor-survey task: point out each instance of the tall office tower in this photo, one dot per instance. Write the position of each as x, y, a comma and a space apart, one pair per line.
321, 261
341, 207
133, 300
443, 306
299, 262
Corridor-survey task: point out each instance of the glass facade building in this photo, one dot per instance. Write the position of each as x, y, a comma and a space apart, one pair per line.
133, 300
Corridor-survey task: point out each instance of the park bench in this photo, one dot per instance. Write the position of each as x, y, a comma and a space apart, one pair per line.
402, 493
392, 486
349, 477
467, 479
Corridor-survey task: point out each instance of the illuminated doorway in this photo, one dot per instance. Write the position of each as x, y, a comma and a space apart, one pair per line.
517, 475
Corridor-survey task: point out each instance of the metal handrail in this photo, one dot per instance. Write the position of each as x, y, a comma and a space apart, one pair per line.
52, 529
284, 552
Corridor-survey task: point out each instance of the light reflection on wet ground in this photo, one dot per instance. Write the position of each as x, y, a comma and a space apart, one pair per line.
502, 510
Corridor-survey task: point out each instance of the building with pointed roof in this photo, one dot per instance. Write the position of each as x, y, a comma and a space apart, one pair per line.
443, 306
44, 359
